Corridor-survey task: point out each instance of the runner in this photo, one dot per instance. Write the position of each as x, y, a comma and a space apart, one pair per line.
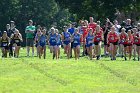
42, 44
38, 34
4, 44
112, 39
84, 32
129, 44
53, 42
89, 43
123, 38
97, 41
92, 24
12, 28
71, 31
66, 38
16, 39
136, 42
76, 43
107, 27
9, 33
59, 42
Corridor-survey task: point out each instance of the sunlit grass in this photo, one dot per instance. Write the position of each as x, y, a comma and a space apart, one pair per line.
34, 75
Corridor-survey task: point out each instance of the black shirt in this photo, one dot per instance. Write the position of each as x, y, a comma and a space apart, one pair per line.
128, 27
9, 32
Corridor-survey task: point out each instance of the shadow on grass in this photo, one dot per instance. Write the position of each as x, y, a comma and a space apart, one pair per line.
35, 66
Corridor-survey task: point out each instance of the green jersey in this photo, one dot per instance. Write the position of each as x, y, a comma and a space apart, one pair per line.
29, 34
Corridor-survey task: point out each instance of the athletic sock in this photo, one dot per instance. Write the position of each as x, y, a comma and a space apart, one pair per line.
53, 56
125, 58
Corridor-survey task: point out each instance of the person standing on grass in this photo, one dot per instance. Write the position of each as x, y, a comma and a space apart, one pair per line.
106, 29
42, 40
117, 27
97, 41
12, 30
59, 42
129, 44
84, 31
30, 30
4, 44
53, 42
66, 38
136, 42
9, 33
76, 43
89, 43
112, 39
38, 34
71, 31
16, 39
123, 37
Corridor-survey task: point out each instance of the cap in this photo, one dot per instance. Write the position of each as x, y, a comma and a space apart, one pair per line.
31, 21
4, 32
12, 22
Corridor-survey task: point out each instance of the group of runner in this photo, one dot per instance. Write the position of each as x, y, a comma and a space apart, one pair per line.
118, 40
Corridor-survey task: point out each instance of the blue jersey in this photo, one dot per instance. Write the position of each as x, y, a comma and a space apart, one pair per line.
71, 30
76, 38
53, 40
67, 38
58, 38
89, 40
42, 40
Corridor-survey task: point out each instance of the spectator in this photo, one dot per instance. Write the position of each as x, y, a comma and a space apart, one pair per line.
30, 31
71, 31
12, 26
128, 25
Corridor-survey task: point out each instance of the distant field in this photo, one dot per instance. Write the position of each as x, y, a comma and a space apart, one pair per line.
34, 75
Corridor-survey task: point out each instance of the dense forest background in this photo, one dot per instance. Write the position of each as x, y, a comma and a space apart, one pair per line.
61, 12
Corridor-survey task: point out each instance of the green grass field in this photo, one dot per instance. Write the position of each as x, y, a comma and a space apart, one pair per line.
34, 75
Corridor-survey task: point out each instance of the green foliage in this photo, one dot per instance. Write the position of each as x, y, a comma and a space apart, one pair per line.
42, 12
100, 9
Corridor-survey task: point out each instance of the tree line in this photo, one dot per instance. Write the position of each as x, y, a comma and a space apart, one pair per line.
61, 12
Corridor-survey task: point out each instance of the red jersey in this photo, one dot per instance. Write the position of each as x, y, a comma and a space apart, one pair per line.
123, 38
136, 40
98, 36
93, 26
113, 37
84, 33
130, 40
